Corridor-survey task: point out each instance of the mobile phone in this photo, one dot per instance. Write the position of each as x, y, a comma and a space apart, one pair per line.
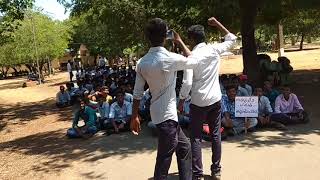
170, 34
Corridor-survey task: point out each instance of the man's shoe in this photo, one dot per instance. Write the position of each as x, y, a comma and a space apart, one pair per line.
216, 176
198, 178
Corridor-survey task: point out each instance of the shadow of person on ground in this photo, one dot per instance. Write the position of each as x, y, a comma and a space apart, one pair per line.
21, 113
60, 151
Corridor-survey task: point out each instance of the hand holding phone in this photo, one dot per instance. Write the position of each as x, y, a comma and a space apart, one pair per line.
170, 34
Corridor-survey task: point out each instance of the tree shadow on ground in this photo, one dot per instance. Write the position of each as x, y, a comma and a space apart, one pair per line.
21, 113
11, 85
60, 151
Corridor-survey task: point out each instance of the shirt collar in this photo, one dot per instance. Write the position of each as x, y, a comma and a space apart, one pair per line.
283, 99
200, 45
157, 49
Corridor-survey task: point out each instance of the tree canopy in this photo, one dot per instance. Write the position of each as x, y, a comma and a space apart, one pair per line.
35, 31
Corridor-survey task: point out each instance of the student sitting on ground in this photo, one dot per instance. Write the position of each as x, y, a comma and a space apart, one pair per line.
270, 93
127, 96
240, 90
233, 124
288, 109
265, 112
224, 81
63, 98
120, 113
103, 112
243, 80
89, 116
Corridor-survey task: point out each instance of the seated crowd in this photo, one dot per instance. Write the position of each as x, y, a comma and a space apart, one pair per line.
101, 99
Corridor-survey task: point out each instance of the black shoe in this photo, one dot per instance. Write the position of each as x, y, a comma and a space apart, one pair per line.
216, 176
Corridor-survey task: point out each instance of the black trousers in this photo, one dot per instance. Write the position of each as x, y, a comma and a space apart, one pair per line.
172, 139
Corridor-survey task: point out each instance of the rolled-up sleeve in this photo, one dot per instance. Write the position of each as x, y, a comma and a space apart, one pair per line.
186, 83
139, 85
230, 40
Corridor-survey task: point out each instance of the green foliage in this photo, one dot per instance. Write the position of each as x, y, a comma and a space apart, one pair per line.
51, 37
11, 10
303, 22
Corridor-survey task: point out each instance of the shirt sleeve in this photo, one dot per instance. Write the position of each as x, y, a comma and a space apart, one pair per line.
229, 41
129, 109
297, 105
58, 98
139, 85
106, 109
177, 62
277, 105
268, 106
186, 83
224, 105
112, 112
68, 96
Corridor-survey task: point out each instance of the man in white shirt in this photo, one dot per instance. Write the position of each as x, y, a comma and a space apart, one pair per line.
69, 68
158, 68
206, 94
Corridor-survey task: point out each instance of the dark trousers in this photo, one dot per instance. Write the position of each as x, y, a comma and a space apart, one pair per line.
212, 116
172, 139
290, 118
71, 76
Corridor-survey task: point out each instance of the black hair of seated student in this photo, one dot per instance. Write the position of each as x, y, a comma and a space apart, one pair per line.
229, 87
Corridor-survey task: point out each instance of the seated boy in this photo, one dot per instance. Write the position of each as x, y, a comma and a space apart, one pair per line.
240, 91
243, 83
229, 121
103, 113
63, 98
89, 116
120, 113
288, 109
270, 93
265, 112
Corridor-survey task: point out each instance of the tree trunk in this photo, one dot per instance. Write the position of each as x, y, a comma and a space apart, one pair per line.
30, 67
15, 70
301, 42
248, 11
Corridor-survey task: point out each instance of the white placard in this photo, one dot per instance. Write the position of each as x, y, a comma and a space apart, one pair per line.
247, 106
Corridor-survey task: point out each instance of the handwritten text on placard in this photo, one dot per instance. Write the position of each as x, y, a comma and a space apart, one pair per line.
246, 106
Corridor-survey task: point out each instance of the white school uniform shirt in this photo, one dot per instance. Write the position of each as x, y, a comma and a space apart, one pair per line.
69, 67
158, 68
104, 110
203, 80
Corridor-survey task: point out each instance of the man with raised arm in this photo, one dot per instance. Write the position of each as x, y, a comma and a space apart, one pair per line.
203, 81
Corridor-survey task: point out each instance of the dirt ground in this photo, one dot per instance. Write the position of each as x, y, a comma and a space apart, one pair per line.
33, 143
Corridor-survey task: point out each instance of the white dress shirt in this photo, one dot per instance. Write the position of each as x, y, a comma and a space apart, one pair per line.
69, 67
158, 68
203, 80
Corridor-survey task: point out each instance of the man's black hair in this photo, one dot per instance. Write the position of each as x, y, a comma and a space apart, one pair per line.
120, 91
230, 87
156, 31
196, 33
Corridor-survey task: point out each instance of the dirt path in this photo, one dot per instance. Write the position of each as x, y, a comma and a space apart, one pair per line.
33, 143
